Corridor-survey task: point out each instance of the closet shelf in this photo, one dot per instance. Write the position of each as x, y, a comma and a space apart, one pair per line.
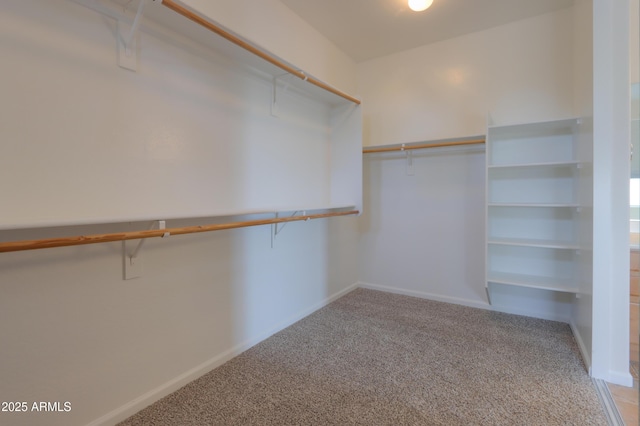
532, 165
530, 242
135, 235
194, 216
535, 128
254, 50
533, 281
560, 205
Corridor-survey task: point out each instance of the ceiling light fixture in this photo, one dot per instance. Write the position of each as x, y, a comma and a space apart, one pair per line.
419, 5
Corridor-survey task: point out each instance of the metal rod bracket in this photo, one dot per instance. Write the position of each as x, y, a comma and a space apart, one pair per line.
410, 170
274, 96
275, 229
128, 41
132, 262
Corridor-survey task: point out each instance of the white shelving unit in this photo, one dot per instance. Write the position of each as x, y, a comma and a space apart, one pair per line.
533, 206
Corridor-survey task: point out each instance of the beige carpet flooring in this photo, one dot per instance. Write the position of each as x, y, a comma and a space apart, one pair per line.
374, 358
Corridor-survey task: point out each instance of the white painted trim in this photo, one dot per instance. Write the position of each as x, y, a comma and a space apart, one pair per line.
465, 302
132, 407
622, 378
586, 356
425, 295
611, 171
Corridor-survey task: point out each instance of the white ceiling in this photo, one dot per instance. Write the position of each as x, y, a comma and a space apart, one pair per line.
366, 29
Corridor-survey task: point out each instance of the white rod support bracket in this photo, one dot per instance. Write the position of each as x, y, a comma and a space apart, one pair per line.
136, 23
128, 41
410, 170
132, 262
274, 95
162, 224
272, 234
131, 266
275, 229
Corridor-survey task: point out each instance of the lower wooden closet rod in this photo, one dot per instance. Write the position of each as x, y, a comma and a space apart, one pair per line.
135, 235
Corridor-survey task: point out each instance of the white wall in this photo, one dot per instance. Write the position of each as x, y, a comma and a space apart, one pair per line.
424, 234
520, 72
71, 328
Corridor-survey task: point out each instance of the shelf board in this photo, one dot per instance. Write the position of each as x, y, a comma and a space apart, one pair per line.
529, 165
157, 18
532, 281
564, 205
271, 210
529, 242
536, 127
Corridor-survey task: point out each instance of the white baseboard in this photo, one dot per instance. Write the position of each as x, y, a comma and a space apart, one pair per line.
466, 302
584, 351
132, 407
622, 378
425, 295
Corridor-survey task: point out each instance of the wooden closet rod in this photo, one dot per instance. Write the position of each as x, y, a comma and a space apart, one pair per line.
421, 146
249, 47
136, 235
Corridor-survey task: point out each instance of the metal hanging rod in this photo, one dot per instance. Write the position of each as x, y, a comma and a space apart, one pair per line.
135, 235
404, 147
253, 49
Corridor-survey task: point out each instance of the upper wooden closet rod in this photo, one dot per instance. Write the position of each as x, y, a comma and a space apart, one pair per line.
136, 235
238, 41
421, 146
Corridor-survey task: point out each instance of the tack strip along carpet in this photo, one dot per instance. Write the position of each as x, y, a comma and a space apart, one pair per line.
374, 358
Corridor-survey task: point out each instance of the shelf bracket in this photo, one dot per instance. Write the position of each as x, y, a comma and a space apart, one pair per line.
132, 263
277, 228
409, 154
128, 40
274, 95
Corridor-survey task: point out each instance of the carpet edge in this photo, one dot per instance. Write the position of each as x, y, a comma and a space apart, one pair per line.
465, 302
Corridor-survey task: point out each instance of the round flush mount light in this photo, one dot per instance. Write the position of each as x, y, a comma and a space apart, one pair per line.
419, 5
